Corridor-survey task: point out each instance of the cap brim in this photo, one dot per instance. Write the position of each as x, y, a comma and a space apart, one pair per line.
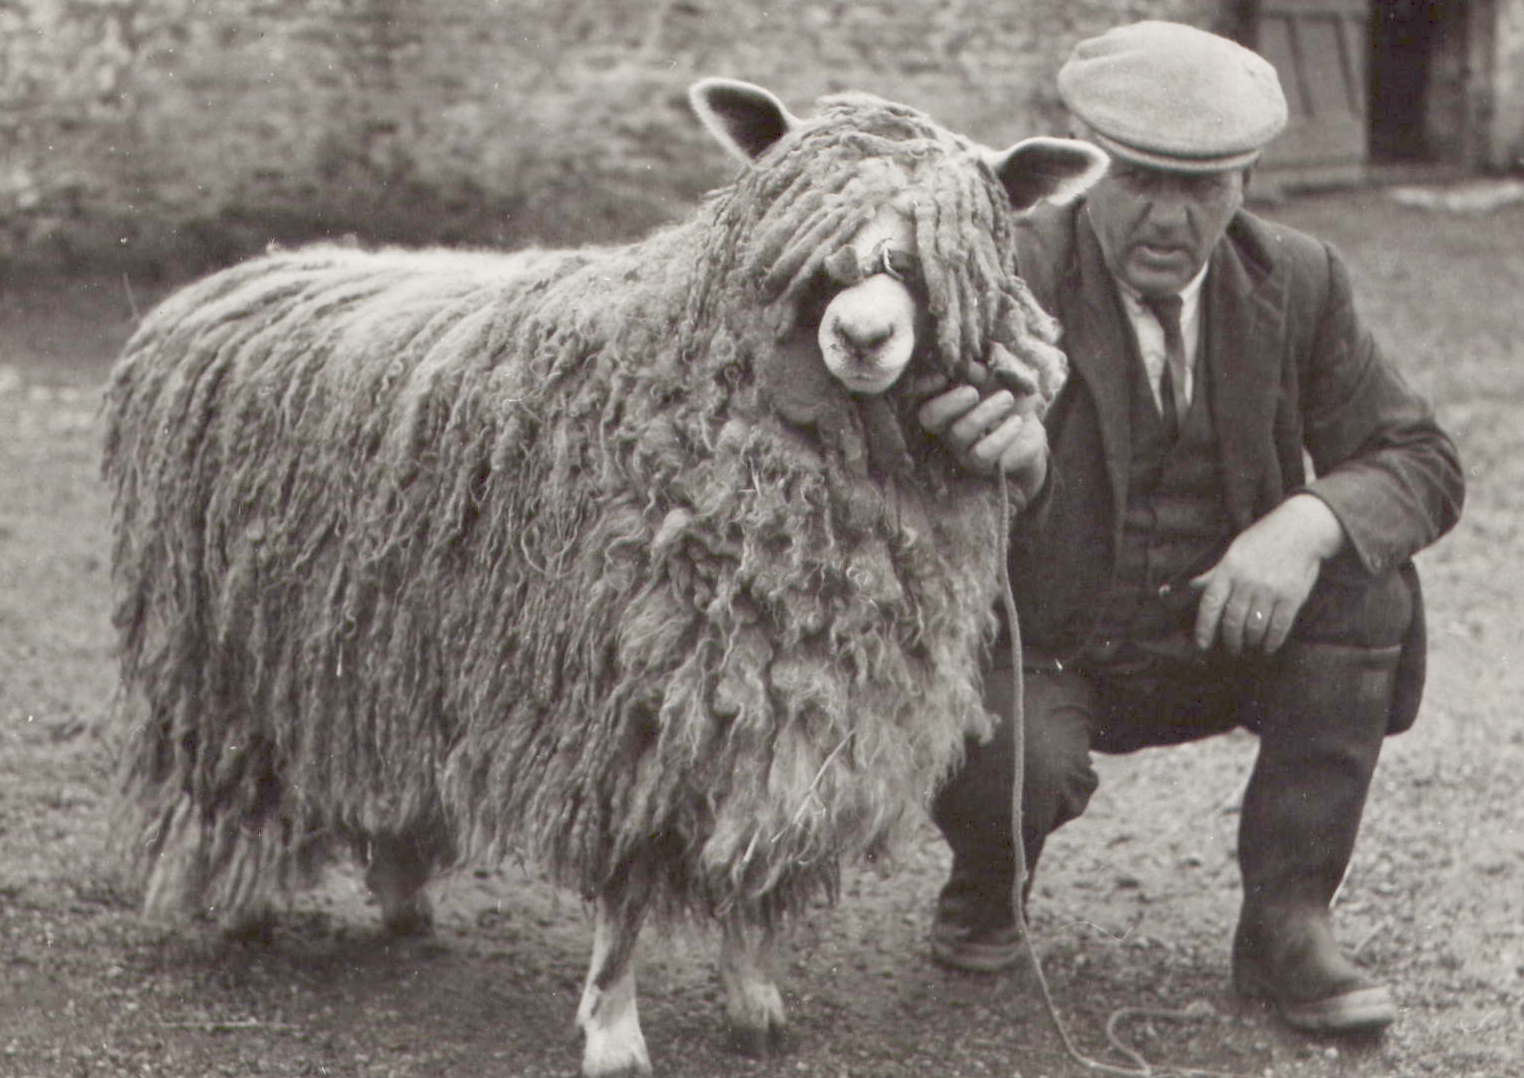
1173, 162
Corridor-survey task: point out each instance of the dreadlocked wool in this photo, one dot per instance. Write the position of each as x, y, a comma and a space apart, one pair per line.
520, 555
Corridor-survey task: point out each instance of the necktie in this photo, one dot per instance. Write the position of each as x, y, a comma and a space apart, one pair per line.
1173, 402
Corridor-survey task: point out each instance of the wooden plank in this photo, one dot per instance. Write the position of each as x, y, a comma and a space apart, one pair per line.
1318, 49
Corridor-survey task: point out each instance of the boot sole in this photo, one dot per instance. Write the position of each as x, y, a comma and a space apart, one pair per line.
976, 957
1361, 1010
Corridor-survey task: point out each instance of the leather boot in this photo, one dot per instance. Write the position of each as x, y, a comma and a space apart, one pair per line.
975, 926
1324, 716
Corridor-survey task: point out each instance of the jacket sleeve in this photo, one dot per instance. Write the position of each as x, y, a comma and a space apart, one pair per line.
1382, 464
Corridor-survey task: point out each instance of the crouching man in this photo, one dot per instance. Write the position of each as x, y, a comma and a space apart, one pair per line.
1182, 572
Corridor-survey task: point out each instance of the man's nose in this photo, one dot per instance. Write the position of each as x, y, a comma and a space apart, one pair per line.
1168, 210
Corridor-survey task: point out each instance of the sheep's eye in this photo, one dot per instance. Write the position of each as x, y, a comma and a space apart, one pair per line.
900, 264
841, 266
844, 268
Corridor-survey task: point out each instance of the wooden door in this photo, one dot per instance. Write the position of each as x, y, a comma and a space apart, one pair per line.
1319, 49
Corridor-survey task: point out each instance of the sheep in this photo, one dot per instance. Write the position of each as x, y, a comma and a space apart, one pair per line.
631, 561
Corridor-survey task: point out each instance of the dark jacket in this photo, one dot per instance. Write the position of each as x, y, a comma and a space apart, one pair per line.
1291, 368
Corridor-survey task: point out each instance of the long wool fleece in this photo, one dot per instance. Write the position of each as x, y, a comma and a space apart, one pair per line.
523, 554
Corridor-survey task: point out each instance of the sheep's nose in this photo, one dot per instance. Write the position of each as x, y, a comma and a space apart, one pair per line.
867, 334
864, 336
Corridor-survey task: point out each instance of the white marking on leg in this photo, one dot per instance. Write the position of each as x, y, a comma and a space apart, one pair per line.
753, 1004
608, 1016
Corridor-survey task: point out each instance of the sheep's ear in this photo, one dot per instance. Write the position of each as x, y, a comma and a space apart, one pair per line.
746, 119
1056, 169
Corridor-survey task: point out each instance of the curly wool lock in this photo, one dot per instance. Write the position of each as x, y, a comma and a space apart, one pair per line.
517, 554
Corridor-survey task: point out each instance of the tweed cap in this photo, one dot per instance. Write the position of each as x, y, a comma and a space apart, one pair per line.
1174, 97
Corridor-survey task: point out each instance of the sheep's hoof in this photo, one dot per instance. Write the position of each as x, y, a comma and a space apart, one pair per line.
760, 1042
635, 1069
411, 922
255, 926
615, 1056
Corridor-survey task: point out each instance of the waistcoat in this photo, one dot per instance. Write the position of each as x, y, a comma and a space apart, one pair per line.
1175, 525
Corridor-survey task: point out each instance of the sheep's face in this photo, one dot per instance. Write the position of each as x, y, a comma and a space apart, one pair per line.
902, 190
868, 330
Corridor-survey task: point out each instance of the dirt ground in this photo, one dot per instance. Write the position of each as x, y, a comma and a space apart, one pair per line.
1133, 908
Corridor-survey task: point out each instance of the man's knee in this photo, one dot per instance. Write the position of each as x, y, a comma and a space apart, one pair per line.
1352, 608
1059, 776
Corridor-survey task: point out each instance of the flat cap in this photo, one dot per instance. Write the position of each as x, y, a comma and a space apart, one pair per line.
1174, 97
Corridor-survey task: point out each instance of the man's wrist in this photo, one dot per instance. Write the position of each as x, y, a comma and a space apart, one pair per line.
1316, 524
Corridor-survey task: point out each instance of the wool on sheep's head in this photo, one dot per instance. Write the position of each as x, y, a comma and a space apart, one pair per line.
789, 231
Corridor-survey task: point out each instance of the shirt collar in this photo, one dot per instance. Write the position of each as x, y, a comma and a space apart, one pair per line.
1188, 295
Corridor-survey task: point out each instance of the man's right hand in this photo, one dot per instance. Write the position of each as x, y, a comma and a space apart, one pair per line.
1250, 599
990, 434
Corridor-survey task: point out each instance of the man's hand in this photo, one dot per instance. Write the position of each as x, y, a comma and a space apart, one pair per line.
1252, 596
997, 432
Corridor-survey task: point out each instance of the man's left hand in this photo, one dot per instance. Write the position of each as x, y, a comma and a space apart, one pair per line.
995, 434
1250, 599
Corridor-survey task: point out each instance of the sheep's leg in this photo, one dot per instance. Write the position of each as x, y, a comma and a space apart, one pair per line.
396, 875
753, 1005
252, 924
608, 1015
180, 879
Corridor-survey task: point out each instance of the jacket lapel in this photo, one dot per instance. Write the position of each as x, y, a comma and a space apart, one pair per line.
1097, 341
1244, 305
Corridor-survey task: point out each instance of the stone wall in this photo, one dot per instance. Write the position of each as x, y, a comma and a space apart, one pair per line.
183, 133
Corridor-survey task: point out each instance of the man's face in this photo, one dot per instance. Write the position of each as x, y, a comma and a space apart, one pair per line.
1157, 228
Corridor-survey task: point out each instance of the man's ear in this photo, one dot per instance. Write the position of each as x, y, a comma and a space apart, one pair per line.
746, 119
1056, 169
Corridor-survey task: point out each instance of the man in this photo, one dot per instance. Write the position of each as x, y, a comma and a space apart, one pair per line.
1181, 573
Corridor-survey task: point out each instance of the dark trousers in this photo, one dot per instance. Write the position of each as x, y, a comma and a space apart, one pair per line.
1074, 710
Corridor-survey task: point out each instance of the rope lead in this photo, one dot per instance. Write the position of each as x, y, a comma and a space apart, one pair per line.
1018, 787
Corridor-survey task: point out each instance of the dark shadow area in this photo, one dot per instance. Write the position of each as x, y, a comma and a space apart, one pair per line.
1416, 82
1402, 39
